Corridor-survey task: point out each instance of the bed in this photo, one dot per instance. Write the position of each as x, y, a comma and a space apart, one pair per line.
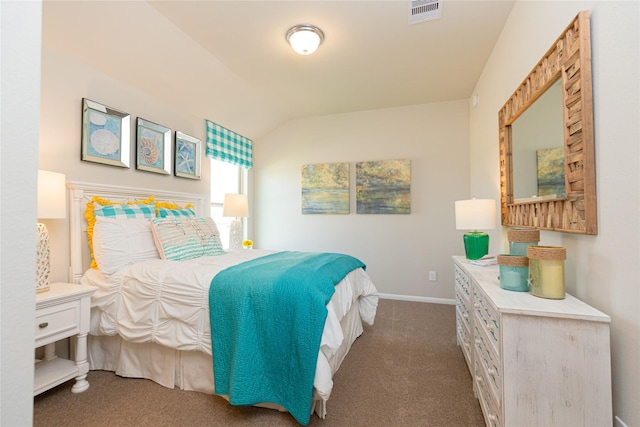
151, 318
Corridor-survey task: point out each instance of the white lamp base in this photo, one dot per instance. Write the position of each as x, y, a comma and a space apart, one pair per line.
235, 234
42, 260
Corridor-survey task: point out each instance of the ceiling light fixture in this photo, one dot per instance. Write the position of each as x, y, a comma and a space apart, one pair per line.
305, 38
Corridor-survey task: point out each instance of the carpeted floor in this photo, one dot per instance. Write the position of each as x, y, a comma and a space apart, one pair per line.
406, 370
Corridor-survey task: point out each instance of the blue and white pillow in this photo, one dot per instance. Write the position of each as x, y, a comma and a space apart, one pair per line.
176, 213
125, 210
181, 239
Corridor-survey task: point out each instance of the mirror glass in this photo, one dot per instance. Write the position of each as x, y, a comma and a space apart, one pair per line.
537, 138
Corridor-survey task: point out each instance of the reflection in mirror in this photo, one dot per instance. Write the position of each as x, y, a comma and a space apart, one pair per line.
537, 138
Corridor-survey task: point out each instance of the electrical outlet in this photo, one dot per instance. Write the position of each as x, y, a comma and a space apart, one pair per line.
432, 276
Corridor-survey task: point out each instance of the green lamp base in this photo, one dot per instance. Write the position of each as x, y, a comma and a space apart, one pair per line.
476, 244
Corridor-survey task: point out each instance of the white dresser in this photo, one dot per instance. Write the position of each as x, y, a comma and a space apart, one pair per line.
534, 361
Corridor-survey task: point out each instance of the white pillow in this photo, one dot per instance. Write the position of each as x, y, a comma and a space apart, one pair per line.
120, 242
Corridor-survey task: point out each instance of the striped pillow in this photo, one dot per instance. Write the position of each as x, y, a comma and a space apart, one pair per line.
98, 206
181, 239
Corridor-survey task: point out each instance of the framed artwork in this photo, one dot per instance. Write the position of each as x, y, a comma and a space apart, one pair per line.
106, 135
153, 151
550, 165
187, 156
383, 187
325, 188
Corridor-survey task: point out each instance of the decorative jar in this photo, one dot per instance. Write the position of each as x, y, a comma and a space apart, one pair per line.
514, 272
520, 238
546, 271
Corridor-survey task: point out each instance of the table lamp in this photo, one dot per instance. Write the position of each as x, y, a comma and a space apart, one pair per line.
235, 205
476, 214
52, 195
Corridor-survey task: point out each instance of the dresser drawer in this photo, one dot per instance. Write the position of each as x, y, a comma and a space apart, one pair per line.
486, 317
490, 408
462, 308
464, 340
463, 283
57, 322
490, 365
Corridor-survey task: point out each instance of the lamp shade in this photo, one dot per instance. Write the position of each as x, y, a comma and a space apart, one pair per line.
52, 195
305, 39
476, 214
235, 205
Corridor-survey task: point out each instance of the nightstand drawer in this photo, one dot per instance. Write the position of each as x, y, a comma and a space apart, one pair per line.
57, 322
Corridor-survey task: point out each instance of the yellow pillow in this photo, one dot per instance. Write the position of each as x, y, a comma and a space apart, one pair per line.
98, 206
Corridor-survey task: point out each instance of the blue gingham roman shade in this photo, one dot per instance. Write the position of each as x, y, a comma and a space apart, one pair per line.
226, 145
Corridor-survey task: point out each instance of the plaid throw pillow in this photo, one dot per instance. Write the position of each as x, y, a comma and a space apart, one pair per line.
124, 210
176, 213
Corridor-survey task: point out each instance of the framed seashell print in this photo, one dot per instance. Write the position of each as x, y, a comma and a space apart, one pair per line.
153, 151
106, 134
187, 156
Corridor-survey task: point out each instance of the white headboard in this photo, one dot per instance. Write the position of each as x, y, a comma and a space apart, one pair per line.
81, 192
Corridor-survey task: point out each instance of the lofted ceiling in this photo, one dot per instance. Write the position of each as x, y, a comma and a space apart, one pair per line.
229, 61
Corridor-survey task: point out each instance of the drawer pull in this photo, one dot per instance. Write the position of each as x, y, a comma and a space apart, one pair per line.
43, 325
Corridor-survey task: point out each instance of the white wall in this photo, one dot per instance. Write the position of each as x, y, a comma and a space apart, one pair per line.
454, 154
64, 83
398, 249
602, 270
20, 76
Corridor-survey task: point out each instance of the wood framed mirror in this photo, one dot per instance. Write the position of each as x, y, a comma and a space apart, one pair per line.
567, 65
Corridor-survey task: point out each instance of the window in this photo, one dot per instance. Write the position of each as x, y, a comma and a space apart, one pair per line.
225, 178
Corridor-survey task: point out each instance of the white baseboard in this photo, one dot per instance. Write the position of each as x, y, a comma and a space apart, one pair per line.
418, 299
619, 422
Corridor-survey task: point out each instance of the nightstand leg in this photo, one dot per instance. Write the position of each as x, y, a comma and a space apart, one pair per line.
83, 366
50, 351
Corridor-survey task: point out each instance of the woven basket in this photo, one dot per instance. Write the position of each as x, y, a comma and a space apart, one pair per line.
547, 252
513, 260
523, 235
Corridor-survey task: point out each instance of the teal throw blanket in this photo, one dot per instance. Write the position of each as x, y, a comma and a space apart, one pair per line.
267, 316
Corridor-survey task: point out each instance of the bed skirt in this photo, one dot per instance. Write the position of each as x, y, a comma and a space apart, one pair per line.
193, 370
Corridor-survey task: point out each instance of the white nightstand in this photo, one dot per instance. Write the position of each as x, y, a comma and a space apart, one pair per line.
62, 312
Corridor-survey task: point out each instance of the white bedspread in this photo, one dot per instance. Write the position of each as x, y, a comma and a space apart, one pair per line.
167, 302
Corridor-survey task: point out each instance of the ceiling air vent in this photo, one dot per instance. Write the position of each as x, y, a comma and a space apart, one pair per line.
424, 10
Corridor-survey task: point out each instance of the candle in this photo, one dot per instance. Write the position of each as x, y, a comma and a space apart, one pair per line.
547, 278
513, 272
514, 277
